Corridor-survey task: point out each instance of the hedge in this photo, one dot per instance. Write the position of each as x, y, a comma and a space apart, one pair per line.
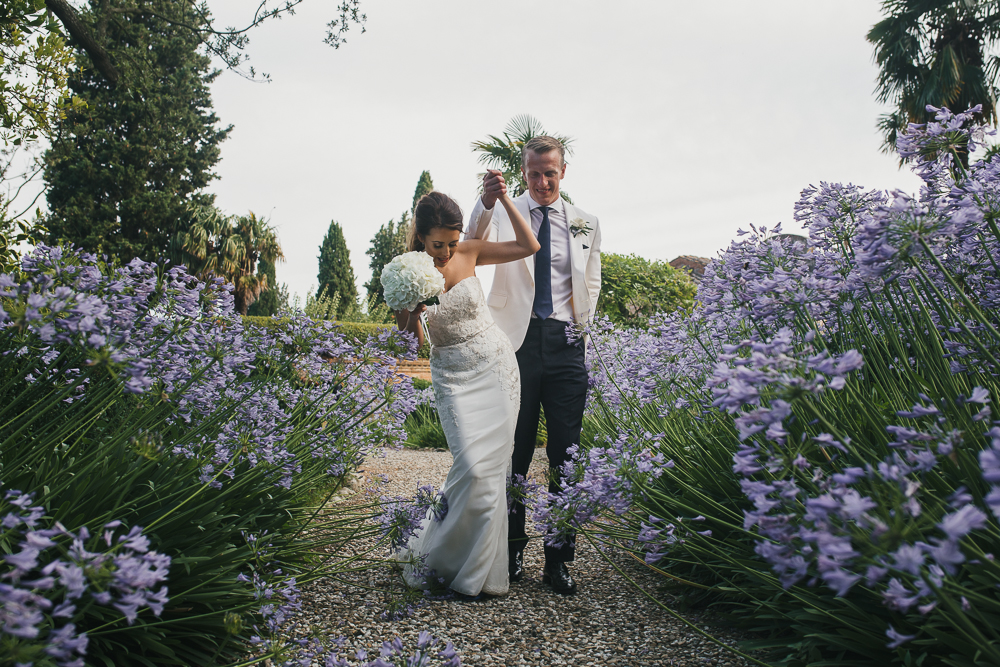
355, 330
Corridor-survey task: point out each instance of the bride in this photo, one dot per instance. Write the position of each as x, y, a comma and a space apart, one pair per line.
477, 388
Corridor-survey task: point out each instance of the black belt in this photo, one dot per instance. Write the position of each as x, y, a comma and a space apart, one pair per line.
548, 322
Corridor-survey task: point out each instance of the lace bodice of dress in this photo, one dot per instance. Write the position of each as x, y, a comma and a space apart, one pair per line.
461, 314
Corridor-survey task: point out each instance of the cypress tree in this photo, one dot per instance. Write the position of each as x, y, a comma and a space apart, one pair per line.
389, 241
424, 185
122, 172
336, 276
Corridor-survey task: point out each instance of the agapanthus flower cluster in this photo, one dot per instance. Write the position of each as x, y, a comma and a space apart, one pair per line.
431, 501
521, 489
989, 460
426, 397
427, 653
72, 315
52, 574
394, 654
400, 518
598, 480
767, 277
889, 296
750, 367
814, 517
936, 148
280, 603
847, 525
627, 367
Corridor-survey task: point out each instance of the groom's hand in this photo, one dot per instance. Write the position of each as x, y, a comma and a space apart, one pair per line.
493, 187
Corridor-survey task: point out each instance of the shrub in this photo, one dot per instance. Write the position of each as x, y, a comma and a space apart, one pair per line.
354, 331
633, 289
427, 435
423, 425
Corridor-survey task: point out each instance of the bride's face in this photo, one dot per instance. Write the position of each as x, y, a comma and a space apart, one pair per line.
441, 244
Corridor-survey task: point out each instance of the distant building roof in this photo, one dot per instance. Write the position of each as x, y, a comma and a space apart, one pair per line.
795, 238
692, 264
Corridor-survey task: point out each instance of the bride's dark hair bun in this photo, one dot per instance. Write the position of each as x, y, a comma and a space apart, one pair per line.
435, 209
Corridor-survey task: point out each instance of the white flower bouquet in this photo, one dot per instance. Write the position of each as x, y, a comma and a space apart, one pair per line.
411, 279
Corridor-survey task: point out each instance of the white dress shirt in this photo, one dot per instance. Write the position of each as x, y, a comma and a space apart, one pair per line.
562, 276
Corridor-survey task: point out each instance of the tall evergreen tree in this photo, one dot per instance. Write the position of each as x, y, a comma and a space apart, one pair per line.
123, 171
268, 303
424, 185
336, 276
389, 241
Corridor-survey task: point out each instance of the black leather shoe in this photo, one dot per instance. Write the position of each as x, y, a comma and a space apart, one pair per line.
515, 566
557, 577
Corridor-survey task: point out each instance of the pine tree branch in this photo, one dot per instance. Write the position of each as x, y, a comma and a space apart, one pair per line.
82, 36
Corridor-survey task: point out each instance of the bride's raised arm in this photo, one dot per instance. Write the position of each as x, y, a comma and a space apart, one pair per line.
524, 244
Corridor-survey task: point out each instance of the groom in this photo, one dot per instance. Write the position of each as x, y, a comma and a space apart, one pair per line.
532, 301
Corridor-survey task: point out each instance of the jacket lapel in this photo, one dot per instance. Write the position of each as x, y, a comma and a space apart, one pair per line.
521, 204
576, 257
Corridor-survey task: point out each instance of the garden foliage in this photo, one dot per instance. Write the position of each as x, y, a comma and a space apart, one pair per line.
633, 289
813, 449
159, 461
269, 302
423, 425
352, 331
34, 61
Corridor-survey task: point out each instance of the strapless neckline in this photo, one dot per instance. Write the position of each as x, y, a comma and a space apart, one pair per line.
459, 283
460, 314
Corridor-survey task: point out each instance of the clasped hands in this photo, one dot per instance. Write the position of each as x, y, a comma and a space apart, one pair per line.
494, 187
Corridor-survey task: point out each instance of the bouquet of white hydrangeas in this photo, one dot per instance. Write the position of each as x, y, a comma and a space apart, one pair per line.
410, 279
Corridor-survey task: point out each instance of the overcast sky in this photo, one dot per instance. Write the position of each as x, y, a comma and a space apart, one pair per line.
690, 120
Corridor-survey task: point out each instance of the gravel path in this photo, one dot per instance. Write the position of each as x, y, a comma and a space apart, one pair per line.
606, 623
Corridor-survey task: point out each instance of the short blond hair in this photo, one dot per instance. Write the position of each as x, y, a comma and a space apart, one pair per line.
540, 145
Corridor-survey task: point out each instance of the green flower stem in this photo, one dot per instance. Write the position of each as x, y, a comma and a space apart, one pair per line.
951, 281
193, 495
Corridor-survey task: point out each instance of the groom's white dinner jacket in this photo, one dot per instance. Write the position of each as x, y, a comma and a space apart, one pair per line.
513, 292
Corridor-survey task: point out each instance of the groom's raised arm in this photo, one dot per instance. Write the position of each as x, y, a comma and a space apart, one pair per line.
481, 223
482, 213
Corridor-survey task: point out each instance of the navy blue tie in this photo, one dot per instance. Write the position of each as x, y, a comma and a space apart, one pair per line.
543, 268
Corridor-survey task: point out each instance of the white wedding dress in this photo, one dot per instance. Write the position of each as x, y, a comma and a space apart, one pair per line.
478, 391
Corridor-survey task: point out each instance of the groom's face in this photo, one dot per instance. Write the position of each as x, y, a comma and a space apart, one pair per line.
543, 172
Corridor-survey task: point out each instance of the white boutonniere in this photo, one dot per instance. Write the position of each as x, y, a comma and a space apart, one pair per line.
579, 226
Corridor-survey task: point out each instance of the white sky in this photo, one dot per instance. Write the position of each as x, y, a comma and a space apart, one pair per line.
690, 120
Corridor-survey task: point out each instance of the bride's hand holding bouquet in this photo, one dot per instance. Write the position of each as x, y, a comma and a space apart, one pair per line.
409, 282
